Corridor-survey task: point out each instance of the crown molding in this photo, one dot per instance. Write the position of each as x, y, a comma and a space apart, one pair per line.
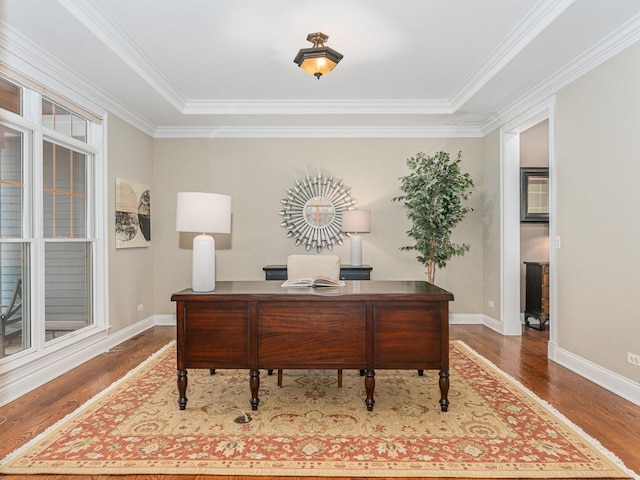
615, 43
318, 132
115, 39
18, 53
537, 20
318, 107
22, 55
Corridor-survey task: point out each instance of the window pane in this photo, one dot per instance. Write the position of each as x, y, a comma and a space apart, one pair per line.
65, 192
10, 96
79, 128
63, 121
47, 114
79, 191
14, 319
10, 183
67, 288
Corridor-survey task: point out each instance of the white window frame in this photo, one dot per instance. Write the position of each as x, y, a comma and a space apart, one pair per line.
44, 360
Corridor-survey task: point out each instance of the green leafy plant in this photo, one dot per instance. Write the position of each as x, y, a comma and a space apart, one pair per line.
433, 199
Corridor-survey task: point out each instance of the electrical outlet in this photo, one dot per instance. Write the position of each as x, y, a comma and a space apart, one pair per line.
491, 304
140, 307
633, 359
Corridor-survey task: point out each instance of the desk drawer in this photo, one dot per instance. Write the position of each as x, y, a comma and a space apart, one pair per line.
216, 335
305, 335
407, 335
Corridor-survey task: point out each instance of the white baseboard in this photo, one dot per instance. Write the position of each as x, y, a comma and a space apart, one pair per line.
465, 319
607, 379
22, 377
476, 319
166, 319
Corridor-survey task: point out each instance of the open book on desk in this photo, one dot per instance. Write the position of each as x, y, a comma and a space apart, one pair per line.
319, 281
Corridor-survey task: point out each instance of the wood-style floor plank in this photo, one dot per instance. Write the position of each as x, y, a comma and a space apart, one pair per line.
608, 418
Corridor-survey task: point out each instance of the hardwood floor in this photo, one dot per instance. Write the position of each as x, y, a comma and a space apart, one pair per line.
608, 418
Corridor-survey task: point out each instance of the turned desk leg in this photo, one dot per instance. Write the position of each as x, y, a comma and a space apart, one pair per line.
182, 389
369, 385
254, 385
444, 390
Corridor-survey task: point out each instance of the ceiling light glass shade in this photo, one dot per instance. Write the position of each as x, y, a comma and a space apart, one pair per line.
320, 59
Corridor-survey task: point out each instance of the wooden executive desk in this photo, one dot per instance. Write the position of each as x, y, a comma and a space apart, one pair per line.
365, 325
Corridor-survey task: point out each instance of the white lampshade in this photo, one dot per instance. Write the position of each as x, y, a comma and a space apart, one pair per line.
356, 221
205, 213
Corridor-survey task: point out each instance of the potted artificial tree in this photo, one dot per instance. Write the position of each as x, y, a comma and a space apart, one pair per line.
433, 196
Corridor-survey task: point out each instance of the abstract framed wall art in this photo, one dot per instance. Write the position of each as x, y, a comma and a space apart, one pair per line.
133, 214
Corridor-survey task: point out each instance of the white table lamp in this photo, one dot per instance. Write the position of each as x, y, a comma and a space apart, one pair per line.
203, 213
355, 222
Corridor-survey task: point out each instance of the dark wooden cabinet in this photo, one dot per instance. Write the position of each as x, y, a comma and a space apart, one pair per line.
347, 272
537, 293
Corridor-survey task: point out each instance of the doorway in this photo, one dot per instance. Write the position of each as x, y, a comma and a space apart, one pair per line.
511, 261
534, 225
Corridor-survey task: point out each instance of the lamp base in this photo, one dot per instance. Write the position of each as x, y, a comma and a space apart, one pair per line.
204, 264
356, 250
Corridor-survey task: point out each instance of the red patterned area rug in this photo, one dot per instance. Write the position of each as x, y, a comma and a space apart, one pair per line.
310, 427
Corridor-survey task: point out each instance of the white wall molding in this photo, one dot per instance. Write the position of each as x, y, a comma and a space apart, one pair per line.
538, 19
510, 260
22, 55
166, 319
592, 58
466, 319
18, 380
111, 35
318, 132
607, 379
318, 107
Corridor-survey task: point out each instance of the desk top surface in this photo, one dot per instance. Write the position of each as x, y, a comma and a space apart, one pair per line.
354, 290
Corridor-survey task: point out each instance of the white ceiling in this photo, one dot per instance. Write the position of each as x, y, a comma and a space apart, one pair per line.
225, 68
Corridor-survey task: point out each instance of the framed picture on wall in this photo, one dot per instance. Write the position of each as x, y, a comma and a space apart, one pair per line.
133, 214
534, 194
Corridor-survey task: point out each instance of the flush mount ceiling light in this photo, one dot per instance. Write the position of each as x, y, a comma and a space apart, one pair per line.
318, 60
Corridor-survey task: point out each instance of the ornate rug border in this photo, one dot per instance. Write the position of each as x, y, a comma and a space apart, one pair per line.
550, 408
89, 403
321, 470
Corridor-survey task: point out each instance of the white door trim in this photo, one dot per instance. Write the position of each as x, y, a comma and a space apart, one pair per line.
510, 217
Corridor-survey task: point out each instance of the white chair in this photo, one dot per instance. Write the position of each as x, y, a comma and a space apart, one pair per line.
311, 266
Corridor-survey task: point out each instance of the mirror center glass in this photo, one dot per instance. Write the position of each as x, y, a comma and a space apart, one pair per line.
319, 212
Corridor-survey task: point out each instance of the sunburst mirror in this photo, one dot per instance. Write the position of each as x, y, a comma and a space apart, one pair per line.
312, 212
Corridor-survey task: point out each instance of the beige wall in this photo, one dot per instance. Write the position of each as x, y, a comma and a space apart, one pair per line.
534, 146
597, 145
257, 173
130, 270
491, 227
